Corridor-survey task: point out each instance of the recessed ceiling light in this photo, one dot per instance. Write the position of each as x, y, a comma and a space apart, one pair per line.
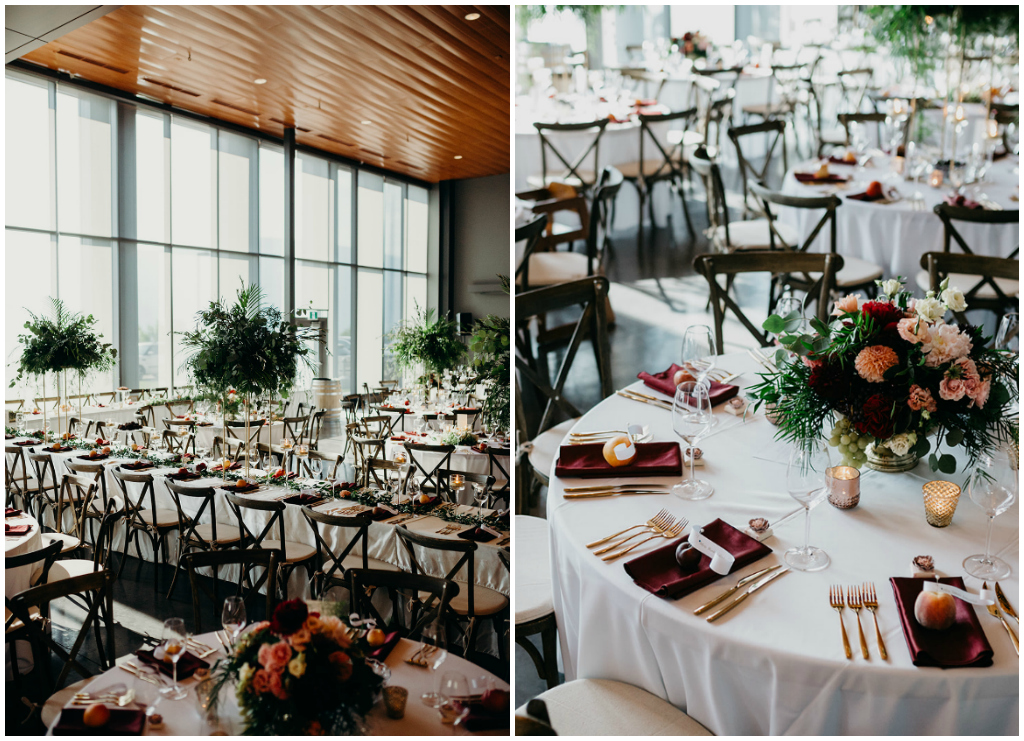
472, 16
458, 156
366, 123
260, 81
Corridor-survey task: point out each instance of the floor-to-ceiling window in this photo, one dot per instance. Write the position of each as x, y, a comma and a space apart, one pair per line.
142, 217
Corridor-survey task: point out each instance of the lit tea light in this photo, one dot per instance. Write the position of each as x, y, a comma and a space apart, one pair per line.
303, 450
935, 179
843, 486
286, 443
458, 480
960, 115
993, 129
897, 164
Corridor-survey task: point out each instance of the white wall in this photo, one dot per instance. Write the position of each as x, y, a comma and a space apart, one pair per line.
481, 238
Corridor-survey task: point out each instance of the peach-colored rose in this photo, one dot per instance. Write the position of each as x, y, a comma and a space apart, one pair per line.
261, 681
275, 656
914, 331
262, 625
314, 623
343, 663
872, 362
846, 304
921, 398
300, 639
952, 389
979, 394
277, 686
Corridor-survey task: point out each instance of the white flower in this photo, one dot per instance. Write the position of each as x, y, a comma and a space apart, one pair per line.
902, 443
954, 300
930, 309
297, 666
890, 287
925, 414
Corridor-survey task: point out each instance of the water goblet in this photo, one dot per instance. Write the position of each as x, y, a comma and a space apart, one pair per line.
699, 351
232, 616
433, 635
691, 420
806, 482
453, 689
993, 487
1008, 335
175, 638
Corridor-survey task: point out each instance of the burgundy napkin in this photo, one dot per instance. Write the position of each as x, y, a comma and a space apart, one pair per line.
962, 202
138, 465
8, 437
810, 177
865, 197
237, 489
17, 529
187, 664
390, 641
100, 457
398, 439
478, 535
481, 718
840, 161
62, 450
658, 572
123, 722
662, 382
962, 644
233, 467
587, 461
303, 499
187, 476
27, 442
382, 515
11, 512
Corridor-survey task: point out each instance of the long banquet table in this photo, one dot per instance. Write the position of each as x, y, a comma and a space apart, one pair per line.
183, 717
776, 664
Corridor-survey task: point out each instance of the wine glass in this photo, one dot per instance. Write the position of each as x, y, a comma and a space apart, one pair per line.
859, 141
806, 482
957, 176
20, 421
316, 466
699, 351
479, 495
453, 689
147, 684
691, 420
175, 638
232, 617
433, 635
993, 487
1008, 335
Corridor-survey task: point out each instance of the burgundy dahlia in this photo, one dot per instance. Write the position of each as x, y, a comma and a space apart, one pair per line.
289, 617
882, 312
875, 417
829, 381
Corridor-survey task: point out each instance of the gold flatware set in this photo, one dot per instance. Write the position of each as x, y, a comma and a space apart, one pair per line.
670, 528
644, 399
422, 656
857, 598
995, 612
733, 589
754, 587
611, 490
662, 525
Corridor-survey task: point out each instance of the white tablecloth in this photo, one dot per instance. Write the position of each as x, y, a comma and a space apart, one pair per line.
775, 664
19, 579
120, 414
894, 236
182, 717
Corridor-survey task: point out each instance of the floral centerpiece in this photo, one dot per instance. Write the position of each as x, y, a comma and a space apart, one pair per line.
885, 375
459, 436
300, 674
425, 341
692, 44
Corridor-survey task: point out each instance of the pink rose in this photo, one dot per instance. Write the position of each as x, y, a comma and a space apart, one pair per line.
952, 389
846, 304
261, 681
275, 656
921, 398
914, 331
978, 390
811, 363
277, 687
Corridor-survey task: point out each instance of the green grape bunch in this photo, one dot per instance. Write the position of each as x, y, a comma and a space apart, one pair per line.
850, 443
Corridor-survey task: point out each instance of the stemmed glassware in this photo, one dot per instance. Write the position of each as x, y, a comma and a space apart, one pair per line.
957, 176
175, 638
433, 635
993, 487
1008, 335
453, 691
807, 481
691, 420
316, 466
699, 351
859, 141
232, 616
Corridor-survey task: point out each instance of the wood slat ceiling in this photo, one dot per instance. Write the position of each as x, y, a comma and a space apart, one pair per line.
433, 85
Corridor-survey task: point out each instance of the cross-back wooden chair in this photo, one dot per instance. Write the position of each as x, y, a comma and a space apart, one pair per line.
502, 480
294, 428
255, 427
429, 473
46, 489
336, 548
19, 404
1004, 115
80, 495
177, 443
81, 428
196, 535
232, 448
775, 135
272, 537
985, 281
379, 425
148, 413
137, 394
854, 273
19, 483
824, 265
417, 600
366, 449
105, 397
713, 100
385, 469
316, 426
40, 401
574, 173
39, 562
247, 561
180, 407
530, 233
97, 472
144, 519
329, 464
350, 406
474, 603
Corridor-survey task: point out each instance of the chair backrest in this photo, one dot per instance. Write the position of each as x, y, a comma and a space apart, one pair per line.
573, 168
189, 523
76, 493
179, 407
853, 84
950, 214
42, 400
255, 426
411, 540
295, 428
711, 266
233, 446
718, 209
987, 271
374, 465
599, 231
812, 203
420, 598
274, 523
848, 119
316, 425
105, 397
149, 415
670, 166
379, 425
429, 473
133, 505
775, 131
246, 560
541, 400
485, 480
46, 473
43, 558
96, 470
531, 233
16, 482
494, 456
18, 404
332, 550
366, 449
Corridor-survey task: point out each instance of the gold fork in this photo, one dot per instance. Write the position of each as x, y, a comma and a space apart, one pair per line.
854, 601
672, 530
649, 523
871, 603
835, 598
656, 525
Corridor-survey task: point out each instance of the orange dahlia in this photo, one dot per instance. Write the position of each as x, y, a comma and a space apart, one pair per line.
872, 362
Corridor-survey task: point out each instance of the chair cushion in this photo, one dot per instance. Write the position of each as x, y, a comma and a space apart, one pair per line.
225, 533
967, 282
545, 447
650, 167
355, 561
549, 268
533, 569
70, 568
70, 542
855, 272
296, 551
753, 235
17, 625
485, 601
602, 707
536, 181
163, 517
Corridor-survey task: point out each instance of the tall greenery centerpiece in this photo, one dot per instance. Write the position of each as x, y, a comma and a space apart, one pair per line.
434, 343
246, 347
490, 345
65, 341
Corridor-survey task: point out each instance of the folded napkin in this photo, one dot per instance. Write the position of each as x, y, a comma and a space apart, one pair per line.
302, 499
587, 461
865, 197
480, 447
811, 177
11, 512
662, 382
8, 437
187, 664
840, 161
390, 641
187, 476
27, 442
17, 529
962, 644
345, 485
233, 467
426, 505
62, 449
138, 465
962, 202
237, 489
123, 722
100, 457
382, 515
478, 535
658, 572
481, 718
397, 439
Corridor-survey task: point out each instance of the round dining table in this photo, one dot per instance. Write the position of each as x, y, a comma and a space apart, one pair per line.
894, 235
185, 717
19, 579
776, 664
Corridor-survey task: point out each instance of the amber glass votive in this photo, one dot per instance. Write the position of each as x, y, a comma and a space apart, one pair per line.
394, 701
844, 487
940, 498
457, 480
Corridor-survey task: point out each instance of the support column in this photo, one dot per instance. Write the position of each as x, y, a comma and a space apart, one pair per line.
289, 220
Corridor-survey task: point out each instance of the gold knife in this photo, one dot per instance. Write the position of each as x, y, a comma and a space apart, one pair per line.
758, 585
994, 611
1005, 603
731, 590
595, 494
610, 487
643, 401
